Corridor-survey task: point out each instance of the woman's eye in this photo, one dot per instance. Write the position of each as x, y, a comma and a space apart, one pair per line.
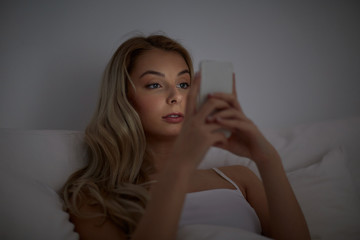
153, 85
183, 85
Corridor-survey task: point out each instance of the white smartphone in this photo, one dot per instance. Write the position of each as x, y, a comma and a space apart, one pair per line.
216, 76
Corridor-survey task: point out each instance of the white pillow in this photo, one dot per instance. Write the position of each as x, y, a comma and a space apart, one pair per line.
328, 199
31, 210
48, 156
303, 145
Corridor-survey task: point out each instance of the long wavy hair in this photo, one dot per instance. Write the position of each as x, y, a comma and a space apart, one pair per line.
119, 162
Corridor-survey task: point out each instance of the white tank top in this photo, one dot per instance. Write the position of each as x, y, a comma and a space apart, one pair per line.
222, 207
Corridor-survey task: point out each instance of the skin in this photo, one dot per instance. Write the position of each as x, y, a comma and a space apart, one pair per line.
161, 81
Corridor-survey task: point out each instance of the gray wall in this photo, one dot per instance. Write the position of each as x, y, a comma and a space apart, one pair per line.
295, 62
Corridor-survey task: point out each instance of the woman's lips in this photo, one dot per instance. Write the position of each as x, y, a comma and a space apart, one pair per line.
174, 118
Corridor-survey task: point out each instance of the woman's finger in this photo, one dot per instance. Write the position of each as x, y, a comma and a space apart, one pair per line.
229, 113
219, 138
235, 124
238, 106
193, 93
232, 98
211, 106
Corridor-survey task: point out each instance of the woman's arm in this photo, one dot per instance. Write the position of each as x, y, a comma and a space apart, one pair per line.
286, 218
273, 199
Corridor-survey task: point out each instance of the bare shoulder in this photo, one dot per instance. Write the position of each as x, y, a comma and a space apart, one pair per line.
244, 177
239, 172
93, 228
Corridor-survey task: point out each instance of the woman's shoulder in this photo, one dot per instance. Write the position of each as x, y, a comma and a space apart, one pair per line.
243, 176
237, 172
94, 225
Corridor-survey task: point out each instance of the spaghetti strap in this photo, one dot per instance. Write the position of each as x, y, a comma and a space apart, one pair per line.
226, 178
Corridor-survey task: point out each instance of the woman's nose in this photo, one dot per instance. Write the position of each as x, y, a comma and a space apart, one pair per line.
174, 96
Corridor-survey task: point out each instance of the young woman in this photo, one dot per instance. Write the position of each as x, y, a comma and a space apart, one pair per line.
145, 142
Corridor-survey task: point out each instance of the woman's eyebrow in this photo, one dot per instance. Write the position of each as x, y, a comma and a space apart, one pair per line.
153, 73
184, 72
161, 74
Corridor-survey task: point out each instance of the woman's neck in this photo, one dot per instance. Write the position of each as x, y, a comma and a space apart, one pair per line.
161, 151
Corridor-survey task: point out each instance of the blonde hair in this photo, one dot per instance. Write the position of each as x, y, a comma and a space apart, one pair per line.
118, 158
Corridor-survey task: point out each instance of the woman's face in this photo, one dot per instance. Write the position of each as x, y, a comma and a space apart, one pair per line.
162, 83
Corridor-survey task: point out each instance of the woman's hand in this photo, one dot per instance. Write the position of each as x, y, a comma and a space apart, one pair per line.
245, 140
197, 135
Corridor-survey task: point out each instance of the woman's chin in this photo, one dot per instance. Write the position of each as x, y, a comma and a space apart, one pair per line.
168, 135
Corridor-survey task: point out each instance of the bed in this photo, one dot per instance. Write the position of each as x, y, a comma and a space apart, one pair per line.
322, 161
